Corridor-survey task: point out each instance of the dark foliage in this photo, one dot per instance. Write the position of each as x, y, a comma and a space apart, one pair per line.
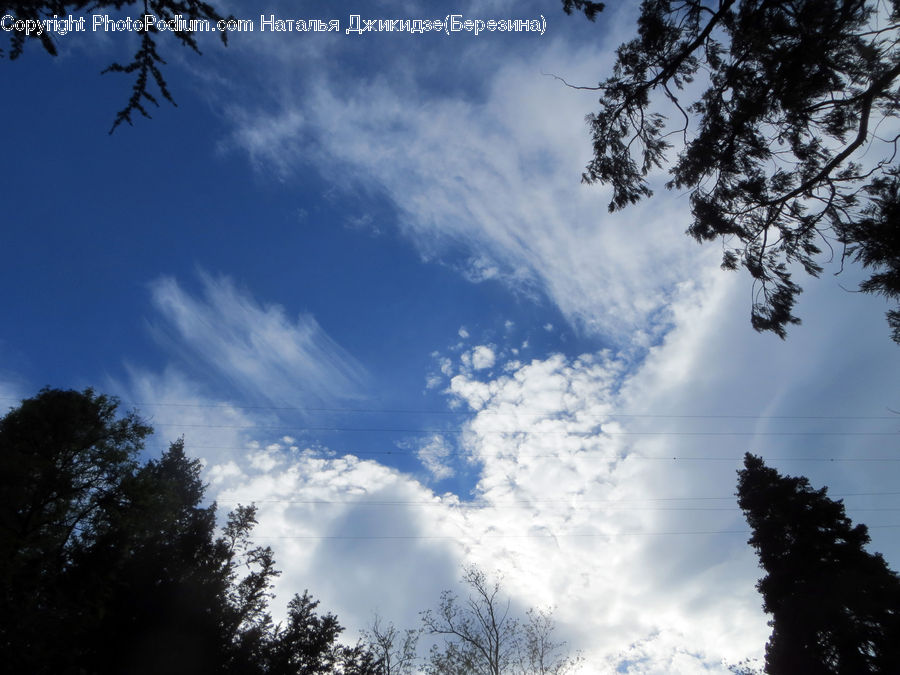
146, 62
785, 148
590, 9
835, 607
111, 567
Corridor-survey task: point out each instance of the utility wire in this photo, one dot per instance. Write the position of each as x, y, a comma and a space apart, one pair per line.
296, 428
527, 501
485, 507
549, 535
394, 411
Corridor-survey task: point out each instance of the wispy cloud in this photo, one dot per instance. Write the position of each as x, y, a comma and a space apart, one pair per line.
433, 454
508, 192
256, 347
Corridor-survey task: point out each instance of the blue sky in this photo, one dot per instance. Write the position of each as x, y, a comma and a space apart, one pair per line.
360, 275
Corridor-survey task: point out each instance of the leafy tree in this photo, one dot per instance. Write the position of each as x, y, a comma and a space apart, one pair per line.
145, 64
482, 638
63, 459
787, 144
111, 567
835, 607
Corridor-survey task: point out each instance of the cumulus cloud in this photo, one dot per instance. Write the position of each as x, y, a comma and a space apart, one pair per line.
598, 488
255, 347
604, 481
480, 357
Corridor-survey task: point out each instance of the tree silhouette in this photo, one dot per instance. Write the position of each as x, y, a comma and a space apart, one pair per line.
835, 607
109, 566
394, 650
146, 62
786, 145
481, 637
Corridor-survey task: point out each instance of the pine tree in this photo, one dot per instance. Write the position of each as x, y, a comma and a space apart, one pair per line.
777, 135
112, 567
834, 605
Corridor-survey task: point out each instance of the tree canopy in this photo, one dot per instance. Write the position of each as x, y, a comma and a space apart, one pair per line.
145, 64
111, 566
835, 607
784, 114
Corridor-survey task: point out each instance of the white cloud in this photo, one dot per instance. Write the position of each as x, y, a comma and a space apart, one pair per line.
508, 191
573, 500
219, 473
462, 332
573, 494
482, 357
433, 454
256, 347
446, 366
214, 430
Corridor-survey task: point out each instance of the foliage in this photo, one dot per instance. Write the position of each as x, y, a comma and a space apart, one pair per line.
482, 638
112, 566
539, 653
788, 135
146, 62
834, 606
395, 651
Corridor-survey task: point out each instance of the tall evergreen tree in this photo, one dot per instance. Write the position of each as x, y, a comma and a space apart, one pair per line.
110, 567
835, 607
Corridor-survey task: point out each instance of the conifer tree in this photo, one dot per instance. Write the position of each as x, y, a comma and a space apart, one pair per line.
778, 119
835, 607
113, 567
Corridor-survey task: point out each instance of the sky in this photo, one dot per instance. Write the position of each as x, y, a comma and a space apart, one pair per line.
359, 274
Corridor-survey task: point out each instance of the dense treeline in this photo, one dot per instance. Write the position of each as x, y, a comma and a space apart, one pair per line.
109, 565
113, 566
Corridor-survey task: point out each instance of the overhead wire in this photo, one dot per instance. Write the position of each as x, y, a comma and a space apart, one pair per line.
548, 535
532, 412
414, 430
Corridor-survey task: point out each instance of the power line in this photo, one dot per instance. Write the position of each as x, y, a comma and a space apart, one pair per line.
549, 535
584, 454
485, 507
578, 454
301, 428
396, 502
396, 411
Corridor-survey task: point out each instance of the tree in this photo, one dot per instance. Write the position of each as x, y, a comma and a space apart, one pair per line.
482, 638
109, 566
540, 653
786, 143
63, 459
395, 651
835, 607
180, 15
